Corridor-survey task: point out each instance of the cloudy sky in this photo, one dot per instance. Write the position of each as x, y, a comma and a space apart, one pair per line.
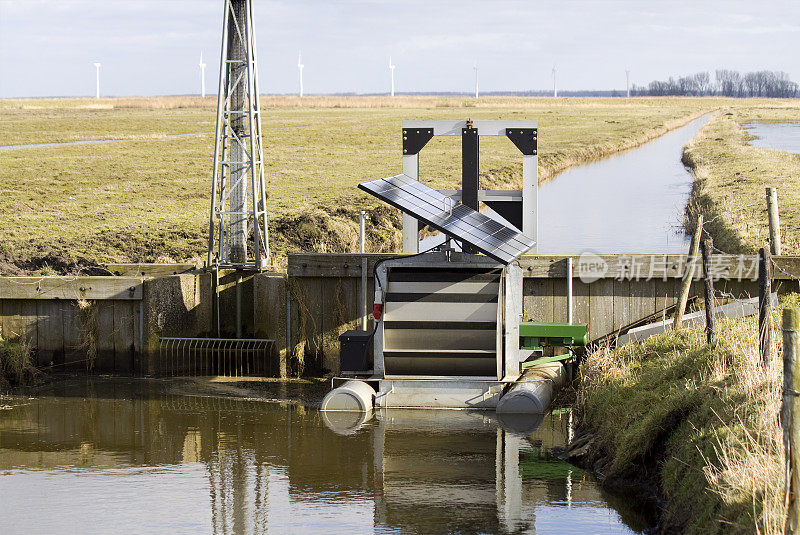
152, 47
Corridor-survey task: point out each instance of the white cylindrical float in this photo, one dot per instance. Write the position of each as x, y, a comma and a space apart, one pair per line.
535, 391
352, 396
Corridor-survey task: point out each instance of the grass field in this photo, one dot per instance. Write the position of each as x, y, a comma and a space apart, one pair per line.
731, 174
146, 197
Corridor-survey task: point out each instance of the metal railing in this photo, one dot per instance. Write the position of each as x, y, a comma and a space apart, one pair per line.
230, 357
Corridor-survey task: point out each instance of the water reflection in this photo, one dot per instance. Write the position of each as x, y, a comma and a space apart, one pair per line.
131, 458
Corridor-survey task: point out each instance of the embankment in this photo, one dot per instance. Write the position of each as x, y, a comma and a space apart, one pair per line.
731, 177
693, 426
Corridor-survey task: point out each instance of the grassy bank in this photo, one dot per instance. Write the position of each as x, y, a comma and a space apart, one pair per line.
697, 423
732, 174
145, 198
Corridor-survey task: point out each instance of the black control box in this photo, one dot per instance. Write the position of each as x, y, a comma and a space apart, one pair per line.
355, 351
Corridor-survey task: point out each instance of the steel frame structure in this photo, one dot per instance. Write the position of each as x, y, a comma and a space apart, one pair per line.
524, 135
238, 235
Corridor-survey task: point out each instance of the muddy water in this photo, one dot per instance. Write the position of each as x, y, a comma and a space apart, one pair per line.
120, 456
779, 136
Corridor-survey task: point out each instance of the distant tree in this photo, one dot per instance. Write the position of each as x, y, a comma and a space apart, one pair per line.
775, 84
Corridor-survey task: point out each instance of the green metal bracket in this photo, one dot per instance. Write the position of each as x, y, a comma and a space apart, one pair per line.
538, 335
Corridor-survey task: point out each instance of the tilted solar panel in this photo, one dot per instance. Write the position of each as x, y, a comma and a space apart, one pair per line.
446, 215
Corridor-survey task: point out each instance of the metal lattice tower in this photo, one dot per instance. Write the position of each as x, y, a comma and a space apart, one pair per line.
238, 223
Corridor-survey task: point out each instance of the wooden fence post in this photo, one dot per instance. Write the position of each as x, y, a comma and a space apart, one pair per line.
708, 278
790, 408
688, 275
774, 221
764, 304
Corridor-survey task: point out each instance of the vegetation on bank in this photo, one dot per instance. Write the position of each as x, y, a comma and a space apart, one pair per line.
731, 178
700, 423
147, 197
16, 366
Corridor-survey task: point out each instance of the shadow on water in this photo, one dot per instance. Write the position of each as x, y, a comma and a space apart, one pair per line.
127, 456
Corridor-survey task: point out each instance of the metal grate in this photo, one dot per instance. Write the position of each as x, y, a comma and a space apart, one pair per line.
230, 357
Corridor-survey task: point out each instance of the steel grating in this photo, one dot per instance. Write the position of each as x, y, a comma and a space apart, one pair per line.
458, 221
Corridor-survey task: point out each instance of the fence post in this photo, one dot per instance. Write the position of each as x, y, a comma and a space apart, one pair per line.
764, 304
789, 409
688, 275
711, 335
774, 221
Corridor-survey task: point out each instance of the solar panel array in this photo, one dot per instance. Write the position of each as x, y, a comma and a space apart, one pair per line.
446, 215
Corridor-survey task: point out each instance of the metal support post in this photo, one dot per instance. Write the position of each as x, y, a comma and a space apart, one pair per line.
569, 289
469, 171
410, 224
362, 224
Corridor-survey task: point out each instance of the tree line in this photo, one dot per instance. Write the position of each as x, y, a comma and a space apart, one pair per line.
727, 83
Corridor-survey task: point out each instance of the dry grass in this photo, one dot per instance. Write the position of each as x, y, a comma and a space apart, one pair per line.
148, 196
732, 174
705, 419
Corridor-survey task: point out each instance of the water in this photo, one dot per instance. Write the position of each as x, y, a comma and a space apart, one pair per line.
121, 456
779, 136
632, 202
94, 141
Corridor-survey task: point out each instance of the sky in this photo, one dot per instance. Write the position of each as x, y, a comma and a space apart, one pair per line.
152, 47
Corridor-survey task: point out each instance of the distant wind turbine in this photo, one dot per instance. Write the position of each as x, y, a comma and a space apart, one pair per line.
300, 68
628, 81
97, 77
202, 76
391, 69
475, 66
555, 90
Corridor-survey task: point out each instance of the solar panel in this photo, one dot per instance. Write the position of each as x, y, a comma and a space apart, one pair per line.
453, 218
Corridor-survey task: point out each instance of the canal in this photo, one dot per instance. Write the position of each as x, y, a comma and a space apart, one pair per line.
137, 456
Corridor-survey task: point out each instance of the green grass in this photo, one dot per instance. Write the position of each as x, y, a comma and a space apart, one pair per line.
732, 174
703, 419
148, 196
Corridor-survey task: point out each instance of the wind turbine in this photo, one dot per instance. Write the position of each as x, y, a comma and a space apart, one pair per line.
475, 67
628, 81
97, 76
300, 68
202, 76
555, 90
391, 69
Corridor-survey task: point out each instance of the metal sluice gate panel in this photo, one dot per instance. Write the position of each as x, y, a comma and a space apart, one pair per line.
444, 214
228, 357
441, 322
